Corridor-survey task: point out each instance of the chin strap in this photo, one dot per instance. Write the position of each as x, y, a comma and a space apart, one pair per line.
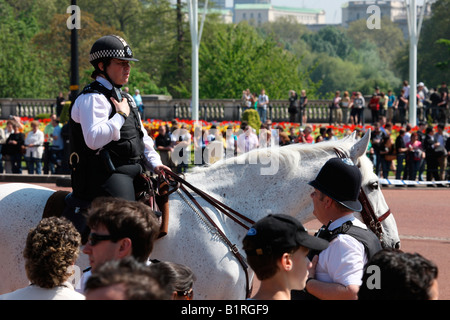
116, 92
110, 80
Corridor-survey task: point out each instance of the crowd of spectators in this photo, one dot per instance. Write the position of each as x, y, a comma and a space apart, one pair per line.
406, 154
411, 153
42, 150
432, 105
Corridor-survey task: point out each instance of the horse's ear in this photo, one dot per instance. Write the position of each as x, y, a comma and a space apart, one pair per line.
349, 137
360, 147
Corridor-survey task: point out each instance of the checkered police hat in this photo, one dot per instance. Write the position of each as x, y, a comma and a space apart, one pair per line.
108, 47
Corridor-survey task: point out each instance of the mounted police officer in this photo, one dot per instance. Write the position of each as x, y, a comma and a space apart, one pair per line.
109, 146
337, 271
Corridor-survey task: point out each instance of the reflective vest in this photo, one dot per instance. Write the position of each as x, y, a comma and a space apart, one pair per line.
129, 149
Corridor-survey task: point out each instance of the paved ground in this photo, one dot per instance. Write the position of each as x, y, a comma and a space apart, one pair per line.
423, 221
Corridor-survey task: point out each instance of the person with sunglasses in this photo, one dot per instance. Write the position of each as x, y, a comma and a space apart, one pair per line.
118, 228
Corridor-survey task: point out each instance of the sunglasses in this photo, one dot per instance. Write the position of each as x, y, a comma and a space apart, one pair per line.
95, 238
189, 294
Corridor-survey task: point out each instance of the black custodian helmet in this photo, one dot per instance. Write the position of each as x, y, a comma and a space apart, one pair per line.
109, 47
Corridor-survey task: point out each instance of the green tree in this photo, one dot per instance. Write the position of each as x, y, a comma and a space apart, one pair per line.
251, 116
330, 40
335, 74
175, 65
141, 80
53, 46
444, 65
120, 15
429, 52
374, 70
21, 73
285, 31
35, 55
235, 57
388, 40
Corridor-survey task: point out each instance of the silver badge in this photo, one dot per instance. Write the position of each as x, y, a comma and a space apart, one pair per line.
129, 52
348, 161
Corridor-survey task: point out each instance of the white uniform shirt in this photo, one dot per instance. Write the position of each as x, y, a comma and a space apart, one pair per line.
92, 111
344, 259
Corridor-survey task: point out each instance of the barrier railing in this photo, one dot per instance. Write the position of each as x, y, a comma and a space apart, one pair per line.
317, 111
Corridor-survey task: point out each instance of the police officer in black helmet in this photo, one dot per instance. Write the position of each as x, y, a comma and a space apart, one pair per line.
109, 146
337, 271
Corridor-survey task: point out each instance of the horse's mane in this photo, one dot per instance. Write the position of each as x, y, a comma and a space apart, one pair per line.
289, 156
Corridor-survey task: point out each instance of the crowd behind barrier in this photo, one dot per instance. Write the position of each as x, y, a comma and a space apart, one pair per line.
296, 119
36, 150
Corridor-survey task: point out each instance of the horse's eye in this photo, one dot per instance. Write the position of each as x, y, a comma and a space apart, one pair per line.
373, 185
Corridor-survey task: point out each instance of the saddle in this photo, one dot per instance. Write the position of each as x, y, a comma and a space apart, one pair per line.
152, 192
64, 204
155, 193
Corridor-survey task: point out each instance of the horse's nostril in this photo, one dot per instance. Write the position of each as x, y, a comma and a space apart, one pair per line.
397, 245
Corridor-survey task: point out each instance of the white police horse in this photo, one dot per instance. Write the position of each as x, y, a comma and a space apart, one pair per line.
264, 181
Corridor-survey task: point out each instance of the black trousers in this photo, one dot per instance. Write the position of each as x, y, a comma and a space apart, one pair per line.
432, 167
93, 180
96, 181
120, 184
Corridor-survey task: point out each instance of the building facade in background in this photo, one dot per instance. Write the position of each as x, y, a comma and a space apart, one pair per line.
257, 14
395, 10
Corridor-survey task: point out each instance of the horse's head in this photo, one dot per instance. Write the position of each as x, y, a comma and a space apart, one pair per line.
375, 209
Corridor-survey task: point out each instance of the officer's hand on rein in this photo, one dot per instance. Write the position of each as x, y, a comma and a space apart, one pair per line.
121, 106
159, 170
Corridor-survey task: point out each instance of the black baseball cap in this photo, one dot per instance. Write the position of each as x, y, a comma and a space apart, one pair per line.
278, 233
341, 180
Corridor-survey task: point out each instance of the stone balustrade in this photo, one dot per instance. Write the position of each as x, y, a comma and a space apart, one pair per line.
164, 108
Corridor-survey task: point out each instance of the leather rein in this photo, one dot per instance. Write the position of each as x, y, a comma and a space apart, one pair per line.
368, 214
234, 215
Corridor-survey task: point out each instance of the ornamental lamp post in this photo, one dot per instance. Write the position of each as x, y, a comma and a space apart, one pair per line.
414, 33
196, 36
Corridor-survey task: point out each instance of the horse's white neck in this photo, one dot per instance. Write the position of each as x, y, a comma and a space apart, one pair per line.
279, 186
